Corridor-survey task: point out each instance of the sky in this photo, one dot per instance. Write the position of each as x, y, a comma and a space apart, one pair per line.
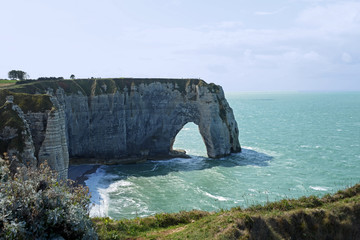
259, 45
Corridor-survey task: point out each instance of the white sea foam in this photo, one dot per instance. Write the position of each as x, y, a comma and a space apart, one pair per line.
219, 198
192, 159
97, 183
116, 185
318, 188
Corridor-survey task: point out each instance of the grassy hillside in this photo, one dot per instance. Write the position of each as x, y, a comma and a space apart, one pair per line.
96, 86
31, 95
331, 217
28, 102
6, 83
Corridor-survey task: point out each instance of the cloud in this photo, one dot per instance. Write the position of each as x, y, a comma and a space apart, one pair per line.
345, 57
264, 13
337, 17
230, 24
237, 45
312, 56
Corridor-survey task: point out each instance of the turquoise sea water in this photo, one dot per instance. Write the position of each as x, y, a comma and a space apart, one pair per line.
294, 144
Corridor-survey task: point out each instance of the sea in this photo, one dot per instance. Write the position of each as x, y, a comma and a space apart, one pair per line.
293, 144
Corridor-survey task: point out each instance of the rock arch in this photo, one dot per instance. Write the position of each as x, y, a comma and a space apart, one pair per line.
112, 121
186, 138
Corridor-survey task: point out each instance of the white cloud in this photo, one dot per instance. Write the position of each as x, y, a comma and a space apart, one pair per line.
234, 44
263, 13
312, 56
346, 57
230, 24
337, 17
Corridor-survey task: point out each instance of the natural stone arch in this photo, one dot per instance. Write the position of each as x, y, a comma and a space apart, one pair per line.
173, 141
219, 133
111, 121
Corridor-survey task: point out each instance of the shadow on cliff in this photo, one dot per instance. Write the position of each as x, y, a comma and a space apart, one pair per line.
247, 157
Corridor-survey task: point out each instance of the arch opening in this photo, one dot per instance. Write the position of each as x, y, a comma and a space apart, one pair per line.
190, 140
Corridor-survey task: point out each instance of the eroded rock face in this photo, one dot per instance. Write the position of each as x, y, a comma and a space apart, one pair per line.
15, 135
127, 120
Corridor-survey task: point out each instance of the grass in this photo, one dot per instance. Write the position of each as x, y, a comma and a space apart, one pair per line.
5, 83
334, 216
97, 86
28, 102
31, 95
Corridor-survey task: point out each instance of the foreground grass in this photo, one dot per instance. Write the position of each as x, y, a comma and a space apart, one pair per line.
331, 217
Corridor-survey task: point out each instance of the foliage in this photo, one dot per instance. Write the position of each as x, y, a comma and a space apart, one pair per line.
49, 78
72, 76
18, 74
35, 205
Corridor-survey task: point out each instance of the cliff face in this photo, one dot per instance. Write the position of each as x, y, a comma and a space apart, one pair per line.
33, 137
125, 120
15, 134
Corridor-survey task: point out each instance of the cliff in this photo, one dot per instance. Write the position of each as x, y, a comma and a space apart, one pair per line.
113, 121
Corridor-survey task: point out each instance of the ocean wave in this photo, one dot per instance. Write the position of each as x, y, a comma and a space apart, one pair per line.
98, 183
318, 188
220, 198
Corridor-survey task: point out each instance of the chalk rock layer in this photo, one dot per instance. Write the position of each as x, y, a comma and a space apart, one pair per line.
113, 121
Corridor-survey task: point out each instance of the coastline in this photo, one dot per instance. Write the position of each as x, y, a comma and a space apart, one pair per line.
79, 173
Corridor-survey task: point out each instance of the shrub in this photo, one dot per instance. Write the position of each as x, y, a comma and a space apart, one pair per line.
35, 205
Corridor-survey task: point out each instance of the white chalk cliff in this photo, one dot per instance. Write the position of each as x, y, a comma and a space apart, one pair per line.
111, 121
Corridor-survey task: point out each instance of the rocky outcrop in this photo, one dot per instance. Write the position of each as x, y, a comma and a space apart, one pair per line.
124, 120
15, 134
34, 137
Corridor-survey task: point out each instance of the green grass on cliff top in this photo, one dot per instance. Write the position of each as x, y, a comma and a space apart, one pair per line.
96, 86
28, 102
7, 81
32, 95
331, 217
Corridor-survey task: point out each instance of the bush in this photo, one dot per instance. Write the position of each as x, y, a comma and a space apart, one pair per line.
35, 205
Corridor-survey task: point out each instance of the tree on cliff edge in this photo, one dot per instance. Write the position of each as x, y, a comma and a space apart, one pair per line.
17, 74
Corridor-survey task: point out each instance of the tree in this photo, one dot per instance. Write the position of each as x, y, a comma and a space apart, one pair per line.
72, 76
18, 74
